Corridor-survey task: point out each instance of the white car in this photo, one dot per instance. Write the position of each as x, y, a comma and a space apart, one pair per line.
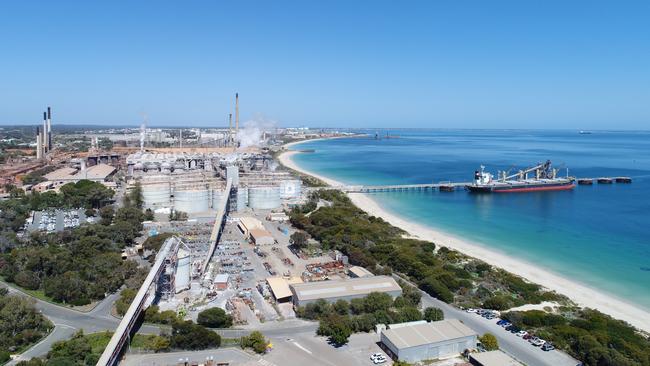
376, 355
379, 360
521, 333
471, 310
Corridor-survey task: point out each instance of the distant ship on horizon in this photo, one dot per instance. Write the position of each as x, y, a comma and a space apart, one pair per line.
581, 132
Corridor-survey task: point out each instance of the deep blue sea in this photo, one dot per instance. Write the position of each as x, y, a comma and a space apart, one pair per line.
598, 235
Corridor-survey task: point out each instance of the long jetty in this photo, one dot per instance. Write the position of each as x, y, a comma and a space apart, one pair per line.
403, 187
452, 186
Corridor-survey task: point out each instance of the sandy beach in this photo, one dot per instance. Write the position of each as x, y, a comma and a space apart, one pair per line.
582, 295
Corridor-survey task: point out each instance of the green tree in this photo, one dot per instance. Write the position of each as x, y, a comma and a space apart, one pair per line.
432, 314
255, 341
489, 341
410, 314
341, 307
126, 298
157, 344
106, 213
299, 239
339, 333
189, 336
214, 318
377, 301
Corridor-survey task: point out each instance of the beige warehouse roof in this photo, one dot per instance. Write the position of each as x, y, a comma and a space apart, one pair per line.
360, 271
420, 334
250, 223
280, 286
60, 174
351, 287
95, 172
495, 358
257, 233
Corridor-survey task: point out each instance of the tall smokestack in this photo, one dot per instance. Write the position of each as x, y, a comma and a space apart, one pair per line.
49, 128
39, 146
236, 114
44, 132
180, 137
230, 127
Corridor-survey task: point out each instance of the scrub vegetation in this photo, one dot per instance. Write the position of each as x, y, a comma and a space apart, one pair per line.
21, 325
74, 266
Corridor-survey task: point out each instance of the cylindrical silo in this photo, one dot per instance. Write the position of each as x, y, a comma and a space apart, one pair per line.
290, 189
217, 198
265, 198
192, 200
156, 196
242, 198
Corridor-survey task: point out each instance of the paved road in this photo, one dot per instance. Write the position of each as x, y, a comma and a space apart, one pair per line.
68, 321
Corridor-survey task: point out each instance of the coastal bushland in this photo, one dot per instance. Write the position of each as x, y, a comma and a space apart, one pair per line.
75, 266
446, 274
20, 324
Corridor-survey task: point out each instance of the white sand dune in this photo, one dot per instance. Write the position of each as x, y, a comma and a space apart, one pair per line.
581, 294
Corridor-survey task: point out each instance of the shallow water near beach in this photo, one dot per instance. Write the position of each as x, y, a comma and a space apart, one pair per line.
597, 235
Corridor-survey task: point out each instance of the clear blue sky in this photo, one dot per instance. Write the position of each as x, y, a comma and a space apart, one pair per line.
468, 64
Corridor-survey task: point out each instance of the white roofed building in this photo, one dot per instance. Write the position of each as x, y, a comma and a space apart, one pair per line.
428, 341
331, 291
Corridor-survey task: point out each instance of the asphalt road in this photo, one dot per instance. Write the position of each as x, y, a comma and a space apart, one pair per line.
68, 321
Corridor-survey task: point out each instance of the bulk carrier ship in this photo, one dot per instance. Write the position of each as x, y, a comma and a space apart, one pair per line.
545, 179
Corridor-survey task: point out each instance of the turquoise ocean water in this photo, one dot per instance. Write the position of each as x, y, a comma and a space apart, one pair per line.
598, 235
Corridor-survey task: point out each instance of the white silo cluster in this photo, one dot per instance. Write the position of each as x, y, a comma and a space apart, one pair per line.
264, 198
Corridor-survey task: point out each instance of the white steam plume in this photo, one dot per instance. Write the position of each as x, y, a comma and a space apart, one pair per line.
253, 132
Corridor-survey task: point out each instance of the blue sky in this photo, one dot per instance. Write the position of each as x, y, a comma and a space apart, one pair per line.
430, 64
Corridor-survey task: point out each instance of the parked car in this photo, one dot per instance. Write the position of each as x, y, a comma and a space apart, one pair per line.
379, 360
501, 322
521, 333
527, 336
471, 310
547, 347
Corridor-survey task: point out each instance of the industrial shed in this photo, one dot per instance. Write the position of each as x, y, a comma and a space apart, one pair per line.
331, 291
428, 341
246, 224
492, 358
261, 237
358, 272
280, 287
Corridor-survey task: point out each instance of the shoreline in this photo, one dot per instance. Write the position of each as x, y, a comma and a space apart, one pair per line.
582, 295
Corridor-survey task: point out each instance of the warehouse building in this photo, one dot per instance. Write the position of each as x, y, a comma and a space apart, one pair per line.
358, 272
246, 224
428, 341
492, 358
331, 291
261, 237
280, 287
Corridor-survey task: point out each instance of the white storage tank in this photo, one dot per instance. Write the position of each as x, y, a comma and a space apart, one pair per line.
264, 198
290, 188
242, 198
192, 200
217, 198
156, 196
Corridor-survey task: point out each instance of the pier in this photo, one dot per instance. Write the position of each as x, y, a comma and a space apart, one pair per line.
453, 186
445, 187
